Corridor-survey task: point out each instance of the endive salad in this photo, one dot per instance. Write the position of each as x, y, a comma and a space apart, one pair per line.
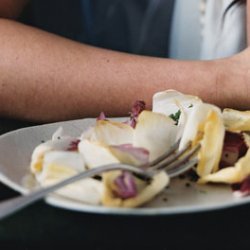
224, 155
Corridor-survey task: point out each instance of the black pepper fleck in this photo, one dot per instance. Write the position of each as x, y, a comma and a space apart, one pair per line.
182, 176
97, 177
192, 176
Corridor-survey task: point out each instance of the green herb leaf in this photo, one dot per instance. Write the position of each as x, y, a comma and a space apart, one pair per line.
176, 116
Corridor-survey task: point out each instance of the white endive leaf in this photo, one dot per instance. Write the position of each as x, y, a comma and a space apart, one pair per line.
57, 134
154, 132
236, 121
88, 134
205, 126
71, 160
170, 102
39, 152
96, 154
112, 133
61, 165
88, 191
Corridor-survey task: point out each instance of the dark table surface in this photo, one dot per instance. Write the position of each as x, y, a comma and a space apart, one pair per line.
41, 226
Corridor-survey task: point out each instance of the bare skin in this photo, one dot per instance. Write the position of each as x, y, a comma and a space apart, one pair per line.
44, 77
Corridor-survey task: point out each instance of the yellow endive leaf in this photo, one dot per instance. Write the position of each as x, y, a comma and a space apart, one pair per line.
230, 175
146, 192
235, 120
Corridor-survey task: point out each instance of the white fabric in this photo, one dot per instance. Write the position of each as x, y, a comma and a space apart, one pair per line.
223, 37
185, 38
198, 34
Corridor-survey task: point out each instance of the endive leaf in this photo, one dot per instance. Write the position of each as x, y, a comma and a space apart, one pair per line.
154, 132
112, 133
145, 191
235, 120
205, 126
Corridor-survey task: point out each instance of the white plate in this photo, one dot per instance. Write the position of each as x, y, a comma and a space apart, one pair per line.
15, 152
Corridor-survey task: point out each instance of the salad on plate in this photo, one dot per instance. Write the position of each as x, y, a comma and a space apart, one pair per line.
223, 157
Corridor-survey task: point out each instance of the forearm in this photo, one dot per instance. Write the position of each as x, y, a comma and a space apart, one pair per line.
45, 77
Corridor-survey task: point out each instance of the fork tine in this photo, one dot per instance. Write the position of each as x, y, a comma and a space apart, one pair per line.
181, 160
173, 172
172, 157
165, 155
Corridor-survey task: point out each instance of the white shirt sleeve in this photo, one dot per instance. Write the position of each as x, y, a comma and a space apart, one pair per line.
223, 34
185, 37
202, 30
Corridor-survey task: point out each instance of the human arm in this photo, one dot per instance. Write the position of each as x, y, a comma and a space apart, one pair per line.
44, 77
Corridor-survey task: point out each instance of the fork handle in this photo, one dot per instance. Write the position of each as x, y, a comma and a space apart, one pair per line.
13, 205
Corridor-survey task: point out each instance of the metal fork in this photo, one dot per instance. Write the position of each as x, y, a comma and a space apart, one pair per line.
174, 163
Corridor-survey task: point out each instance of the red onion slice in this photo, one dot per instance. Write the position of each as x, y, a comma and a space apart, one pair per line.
233, 149
126, 187
242, 189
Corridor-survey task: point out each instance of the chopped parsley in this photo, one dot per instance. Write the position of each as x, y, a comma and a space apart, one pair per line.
176, 116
